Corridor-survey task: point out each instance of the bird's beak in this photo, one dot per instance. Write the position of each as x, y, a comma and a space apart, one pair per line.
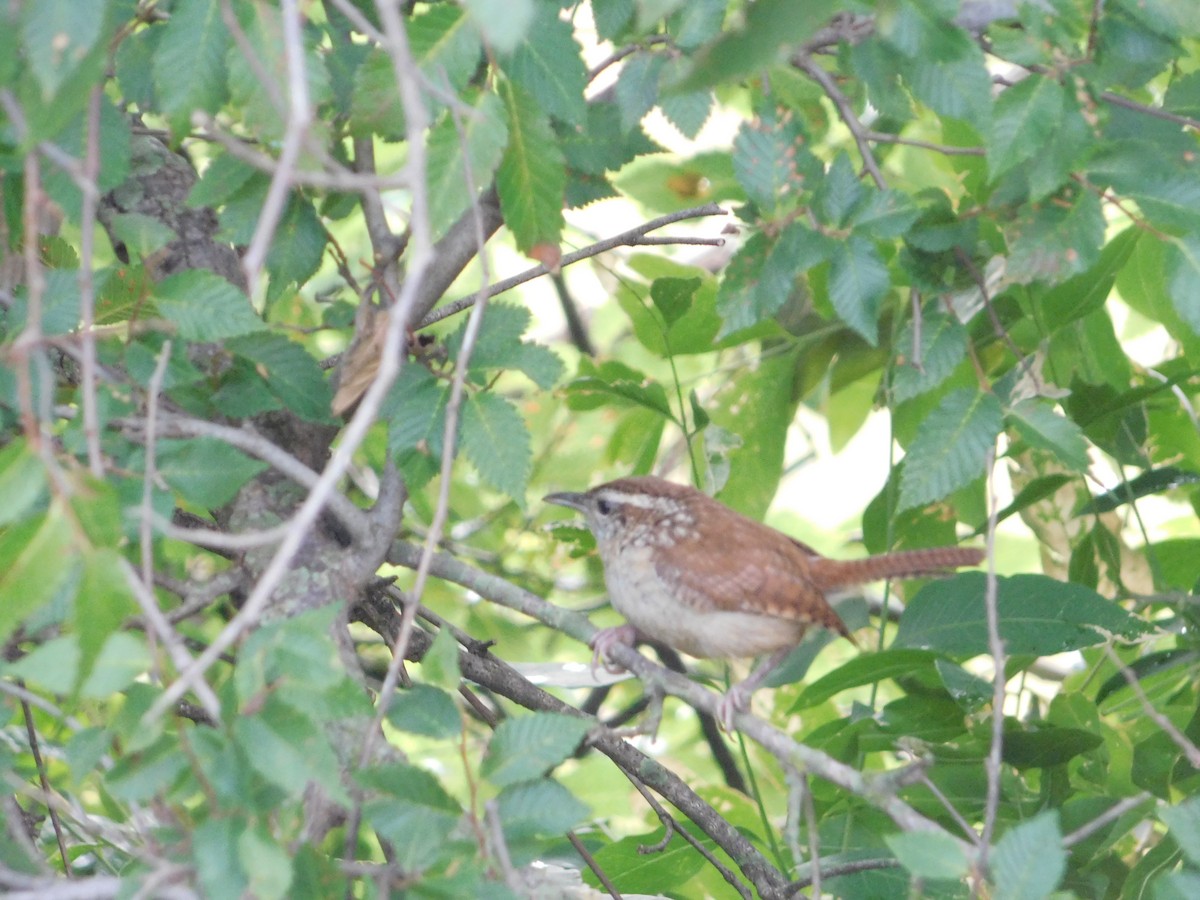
574, 501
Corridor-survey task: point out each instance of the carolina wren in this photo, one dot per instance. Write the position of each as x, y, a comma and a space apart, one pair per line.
691, 573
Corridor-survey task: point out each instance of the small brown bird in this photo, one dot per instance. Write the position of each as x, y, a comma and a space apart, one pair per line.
691, 573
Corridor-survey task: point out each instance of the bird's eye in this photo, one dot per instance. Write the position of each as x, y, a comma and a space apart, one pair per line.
604, 507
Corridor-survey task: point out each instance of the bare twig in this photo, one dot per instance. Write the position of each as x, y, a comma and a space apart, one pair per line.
87, 285
858, 131
625, 238
39, 763
996, 647
298, 121
1178, 738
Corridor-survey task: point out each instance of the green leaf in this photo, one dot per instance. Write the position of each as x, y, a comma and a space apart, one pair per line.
473, 137
1184, 822
216, 859
1055, 241
942, 346
297, 247
1038, 616
1045, 429
1183, 277
673, 296
1046, 745
839, 192
526, 747
22, 481
416, 817
772, 162
415, 411
122, 660
866, 668
58, 36
206, 471
637, 87
539, 808
440, 663
858, 282
1029, 861
531, 178
613, 381
268, 865
633, 871
289, 750
35, 563
929, 854
499, 346
548, 66
494, 438
205, 307
769, 26
194, 41
141, 235
291, 373
102, 606
1146, 484
1026, 117
760, 278
504, 23
951, 448
52, 665
426, 710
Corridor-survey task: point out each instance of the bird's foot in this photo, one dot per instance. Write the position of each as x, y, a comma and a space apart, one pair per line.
605, 639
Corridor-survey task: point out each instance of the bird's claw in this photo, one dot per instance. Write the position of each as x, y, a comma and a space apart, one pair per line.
604, 640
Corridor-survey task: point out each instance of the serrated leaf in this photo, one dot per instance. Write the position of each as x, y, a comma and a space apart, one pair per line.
289, 750
425, 710
205, 307
504, 23
839, 192
22, 481
444, 42
769, 25
102, 606
524, 748
1029, 861
958, 87
415, 818
771, 161
35, 563
473, 137
1045, 429
140, 234
858, 282
549, 66
673, 296
686, 111
534, 808
884, 215
189, 63
1054, 241
951, 448
415, 411
494, 438
291, 373
206, 471
943, 346
929, 854
531, 178
1025, 117
296, 248
637, 87
58, 37
1038, 616
1184, 822
1182, 260
760, 278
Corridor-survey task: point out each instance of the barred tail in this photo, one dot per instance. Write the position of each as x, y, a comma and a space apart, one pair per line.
829, 574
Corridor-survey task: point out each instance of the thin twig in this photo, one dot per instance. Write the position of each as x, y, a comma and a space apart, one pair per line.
994, 759
44, 779
1114, 812
1178, 738
858, 131
298, 121
87, 285
625, 238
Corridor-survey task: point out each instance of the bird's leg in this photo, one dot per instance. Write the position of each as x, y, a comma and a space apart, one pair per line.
737, 698
605, 639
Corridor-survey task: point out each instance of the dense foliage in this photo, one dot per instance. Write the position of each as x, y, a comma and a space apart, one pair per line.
282, 613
